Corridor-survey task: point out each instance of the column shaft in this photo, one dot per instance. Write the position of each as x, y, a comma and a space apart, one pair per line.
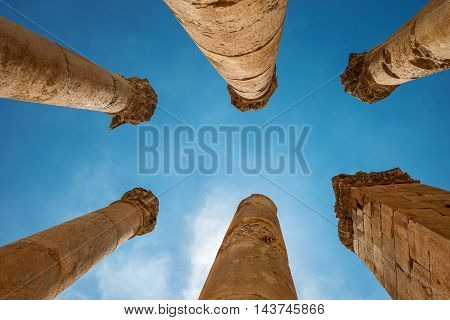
420, 48
241, 39
252, 262
43, 265
400, 229
35, 69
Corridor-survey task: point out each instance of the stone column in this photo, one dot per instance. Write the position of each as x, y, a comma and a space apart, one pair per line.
43, 265
240, 38
420, 48
35, 69
399, 228
252, 263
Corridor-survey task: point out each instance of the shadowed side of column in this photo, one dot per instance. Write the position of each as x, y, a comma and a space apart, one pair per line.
420, 48
42, 265
35, 69
252, 262
241, 39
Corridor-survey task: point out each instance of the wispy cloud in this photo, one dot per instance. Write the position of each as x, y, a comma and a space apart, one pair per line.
134, 275
207, 228
314, 286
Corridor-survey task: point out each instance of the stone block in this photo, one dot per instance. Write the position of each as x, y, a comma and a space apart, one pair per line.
387, 214
394, 202
419, 292
388, 248
362, 250
418, 244
359, 220
376, 224
367, 208
390, 278
434, 190
370, 262
407, 224
402, 256
379, 263
421, 274
367, 229
429, 197
443, 210
403, 285
440, 264
358, 195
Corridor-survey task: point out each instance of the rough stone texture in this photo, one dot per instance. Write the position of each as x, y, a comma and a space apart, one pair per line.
420, 48
241, 39
42, 265
345, 200
405, 235
38, 70
148, 205
252, 262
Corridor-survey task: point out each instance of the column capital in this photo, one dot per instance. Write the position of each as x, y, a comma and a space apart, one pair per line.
244, 104
148, 205
358, 81
141, 108
342, 185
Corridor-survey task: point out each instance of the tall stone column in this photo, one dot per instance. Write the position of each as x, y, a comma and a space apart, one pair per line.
240, 38
35, 69
43, 265
252, 263
399, 228
420, 48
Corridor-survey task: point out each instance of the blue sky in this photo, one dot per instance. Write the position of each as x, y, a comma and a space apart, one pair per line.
60, 163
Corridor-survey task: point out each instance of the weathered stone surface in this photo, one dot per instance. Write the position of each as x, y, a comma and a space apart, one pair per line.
390, 278
397, 231
252, 261
38, 70
343, 184
403, 285
439, 264
420, 48
42, 265
241, 39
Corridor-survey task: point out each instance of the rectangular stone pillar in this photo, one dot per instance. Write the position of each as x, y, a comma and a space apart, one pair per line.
42, 265
400, 229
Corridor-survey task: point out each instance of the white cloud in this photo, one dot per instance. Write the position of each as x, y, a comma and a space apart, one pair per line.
314, 286
134, 276
72, 294
207, 227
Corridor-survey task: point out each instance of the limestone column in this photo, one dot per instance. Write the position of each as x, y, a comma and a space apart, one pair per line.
420, 48
399, 228
43, 265
35, 69
252, 263
240, 38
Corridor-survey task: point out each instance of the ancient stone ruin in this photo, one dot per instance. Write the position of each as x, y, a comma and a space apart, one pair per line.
240, 38
399, 228
420, 48
252, 262
41, 266
35, 69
